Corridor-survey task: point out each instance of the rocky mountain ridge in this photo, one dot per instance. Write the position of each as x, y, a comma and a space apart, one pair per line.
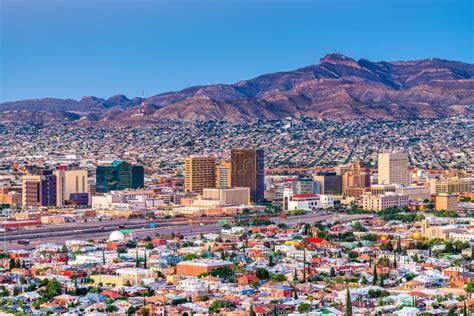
339, 87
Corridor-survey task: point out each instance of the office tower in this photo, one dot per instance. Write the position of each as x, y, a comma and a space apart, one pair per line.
248, 171
355, 179
329, 182
200, 173
39, 189
223, 175
69, 182
119, 175
137, 177
393, 169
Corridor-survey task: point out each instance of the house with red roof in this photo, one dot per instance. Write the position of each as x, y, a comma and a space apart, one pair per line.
317, 242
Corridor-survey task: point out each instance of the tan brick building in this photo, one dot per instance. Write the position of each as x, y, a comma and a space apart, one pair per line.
199, 266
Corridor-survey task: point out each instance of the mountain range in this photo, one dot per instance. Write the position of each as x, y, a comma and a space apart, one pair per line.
339, 87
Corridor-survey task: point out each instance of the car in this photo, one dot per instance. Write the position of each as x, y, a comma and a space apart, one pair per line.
24, 242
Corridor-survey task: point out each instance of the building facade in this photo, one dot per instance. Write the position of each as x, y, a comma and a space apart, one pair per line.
355, 179
329, 182
446, 202
248, 171
39, 190
223, 174
200, 266
69, 182
453, 185
199, 173
119, 175
393, 169
372, 202
231, 196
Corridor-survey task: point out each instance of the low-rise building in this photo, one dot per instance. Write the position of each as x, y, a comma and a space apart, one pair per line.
373, 202
448, 202
200, 266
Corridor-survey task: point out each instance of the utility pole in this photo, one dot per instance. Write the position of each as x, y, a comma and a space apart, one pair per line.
4, 240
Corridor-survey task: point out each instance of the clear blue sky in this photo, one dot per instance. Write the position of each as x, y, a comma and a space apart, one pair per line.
72, 48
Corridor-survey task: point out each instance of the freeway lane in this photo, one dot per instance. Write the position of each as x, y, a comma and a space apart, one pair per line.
141, 228
186, 230
108, 223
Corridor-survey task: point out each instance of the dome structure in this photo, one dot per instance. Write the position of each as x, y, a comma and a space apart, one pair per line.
116, 235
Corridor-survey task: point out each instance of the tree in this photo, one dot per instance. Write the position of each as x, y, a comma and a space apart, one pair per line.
348, 303
12, 264
131, 310
137, 262
304, 308
278, 277
464, 310
358, 227
251, 311
222, 272
381, 281
262, 273
103, 255
399, 245
144, 312
332, 272
111, 308
270, 261
307, 229
149, 246
375, 279
145, 261
190, 256
74, 277
217, 305
470, 288
304, 264
52, 289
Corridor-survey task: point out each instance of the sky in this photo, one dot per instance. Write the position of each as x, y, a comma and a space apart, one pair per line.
76, 48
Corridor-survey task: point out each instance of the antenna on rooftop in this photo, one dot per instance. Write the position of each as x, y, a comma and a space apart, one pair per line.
142, 106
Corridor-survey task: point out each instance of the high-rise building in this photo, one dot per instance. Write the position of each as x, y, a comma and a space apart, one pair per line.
39, 189
355, 179
200, 173
248, 171
329, 182
223, 174
69, 182
119, 175
393, 169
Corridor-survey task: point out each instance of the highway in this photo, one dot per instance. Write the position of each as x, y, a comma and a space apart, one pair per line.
100, 230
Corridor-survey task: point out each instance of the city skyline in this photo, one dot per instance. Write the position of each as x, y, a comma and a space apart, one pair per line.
334, 176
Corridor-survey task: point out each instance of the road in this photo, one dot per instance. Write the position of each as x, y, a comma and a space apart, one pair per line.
100, 230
